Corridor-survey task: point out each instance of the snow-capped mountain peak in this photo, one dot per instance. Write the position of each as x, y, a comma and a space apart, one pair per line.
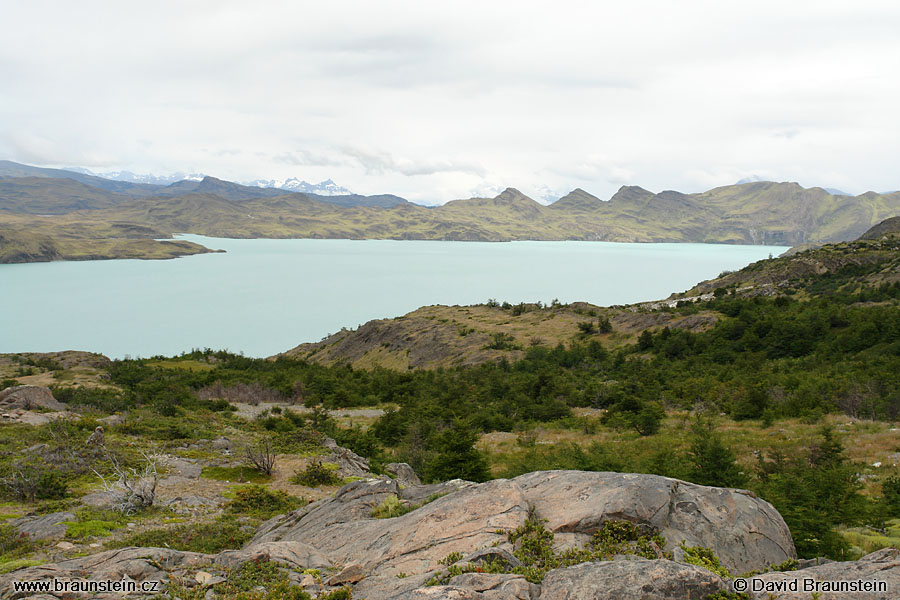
292, 184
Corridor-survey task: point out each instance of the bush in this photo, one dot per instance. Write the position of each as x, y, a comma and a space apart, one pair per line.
261, 502
14, 544
316, 474
209, 538
706, 558
389, 508
32, 482
261, 456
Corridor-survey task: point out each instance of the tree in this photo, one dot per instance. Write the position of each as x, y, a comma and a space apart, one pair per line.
457, 456
712, 462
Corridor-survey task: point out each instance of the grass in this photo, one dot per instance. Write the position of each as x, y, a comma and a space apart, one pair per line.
864, 540
866, 442
79, 530
19, 563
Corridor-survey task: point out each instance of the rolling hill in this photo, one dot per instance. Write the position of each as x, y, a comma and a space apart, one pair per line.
750, 213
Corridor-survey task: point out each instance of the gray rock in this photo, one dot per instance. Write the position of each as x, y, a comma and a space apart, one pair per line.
44, 527
350, 464
112, 420
745, 532
403, 473
293, 553
29, 397
98, 499
495, 554
221, 443
638, 579
419, 494
882, 565
390, 587
497, 586
184, 467
349, 574
439, 592
139, 564
343, 529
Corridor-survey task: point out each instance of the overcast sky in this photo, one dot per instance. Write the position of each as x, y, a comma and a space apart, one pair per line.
435, 101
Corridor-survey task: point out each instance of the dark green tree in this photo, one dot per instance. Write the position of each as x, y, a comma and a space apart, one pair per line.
456, 456
711, 461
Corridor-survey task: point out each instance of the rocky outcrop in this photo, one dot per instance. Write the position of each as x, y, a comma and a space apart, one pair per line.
877, 569
746, 533
294, 554
402, 473
638, 579
396, 558
343, 529
350, 464
29, 397
136, 564
44, 527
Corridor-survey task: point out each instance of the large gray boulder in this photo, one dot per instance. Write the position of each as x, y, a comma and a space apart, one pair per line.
29, 397
880, 567
402, 473
342, 528
745, 532
638, 579
44, 527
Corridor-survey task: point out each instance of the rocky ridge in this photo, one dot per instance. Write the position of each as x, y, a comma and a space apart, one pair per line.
467, 524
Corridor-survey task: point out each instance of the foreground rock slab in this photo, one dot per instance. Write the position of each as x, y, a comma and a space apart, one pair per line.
880, 567
136, 564
394, 558
638, 579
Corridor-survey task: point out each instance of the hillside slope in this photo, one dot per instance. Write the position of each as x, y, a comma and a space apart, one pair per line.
446, 336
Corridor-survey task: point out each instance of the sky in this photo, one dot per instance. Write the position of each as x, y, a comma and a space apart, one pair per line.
435, 101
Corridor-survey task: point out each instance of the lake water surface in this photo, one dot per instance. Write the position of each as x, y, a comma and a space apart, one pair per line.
266, 296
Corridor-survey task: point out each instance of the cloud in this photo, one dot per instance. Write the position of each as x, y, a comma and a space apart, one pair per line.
437, 101
377, 161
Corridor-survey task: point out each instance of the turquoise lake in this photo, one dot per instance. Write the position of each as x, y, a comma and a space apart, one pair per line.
262, 297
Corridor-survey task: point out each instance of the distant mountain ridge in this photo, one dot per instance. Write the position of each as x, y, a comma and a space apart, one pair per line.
752, 213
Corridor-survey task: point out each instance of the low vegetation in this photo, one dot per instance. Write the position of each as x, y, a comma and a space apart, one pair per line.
790, 393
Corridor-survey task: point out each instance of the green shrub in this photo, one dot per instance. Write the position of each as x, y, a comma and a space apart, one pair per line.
14, 544
706, 558
389, 508
209, 538
316, 474
261, 502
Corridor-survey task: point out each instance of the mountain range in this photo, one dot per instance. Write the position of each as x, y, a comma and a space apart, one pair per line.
59, 204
